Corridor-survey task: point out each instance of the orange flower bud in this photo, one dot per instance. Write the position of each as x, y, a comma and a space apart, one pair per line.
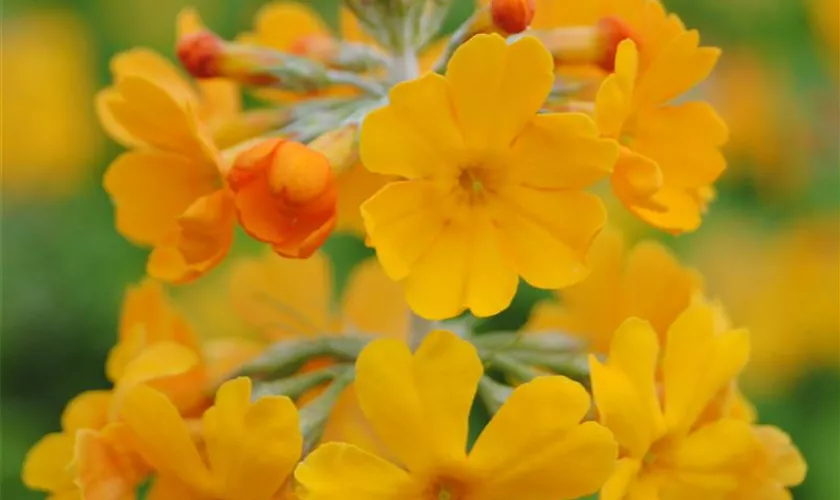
612, 31
200, 54
340, 146
512, 16
285, 196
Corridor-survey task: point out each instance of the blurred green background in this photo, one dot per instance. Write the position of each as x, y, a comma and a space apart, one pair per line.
769, 247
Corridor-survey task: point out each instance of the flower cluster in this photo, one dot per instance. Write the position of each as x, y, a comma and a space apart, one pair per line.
467, 164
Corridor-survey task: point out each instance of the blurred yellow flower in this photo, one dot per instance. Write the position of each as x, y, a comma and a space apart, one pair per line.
167, 191
771, 139
664, 452
484, 199
419, 406
248, 448
49, 141
72, 463
786, 274
646, 282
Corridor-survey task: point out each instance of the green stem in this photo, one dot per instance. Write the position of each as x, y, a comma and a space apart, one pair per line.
295, 386
287, 356
314, 416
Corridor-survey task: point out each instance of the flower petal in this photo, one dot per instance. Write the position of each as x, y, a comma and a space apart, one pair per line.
151, 189
281, 24
403, 220
522, 462
163, 439
88, 410
561, 150
282, 297
675, 70
338, 471
498, 88
415, 135
492, 280
698, 363
419, 406
46, 466
614, 101
679, 210
373, 303
550, 233
252, 448
103, 471
199, 242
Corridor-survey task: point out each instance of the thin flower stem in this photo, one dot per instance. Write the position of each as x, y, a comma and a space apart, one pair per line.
314, 416
405, 66
419, 327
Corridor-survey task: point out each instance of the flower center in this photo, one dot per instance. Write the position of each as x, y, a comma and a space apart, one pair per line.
446, 489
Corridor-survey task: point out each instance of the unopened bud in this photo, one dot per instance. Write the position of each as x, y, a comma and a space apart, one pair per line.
512, 16
200, 53
285, 195
340, 146
612, 32
580, 45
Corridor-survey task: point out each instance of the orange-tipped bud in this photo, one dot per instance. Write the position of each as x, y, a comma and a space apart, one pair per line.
340, 146
612, 31
200, 54
285, 196
512, 16
320, 48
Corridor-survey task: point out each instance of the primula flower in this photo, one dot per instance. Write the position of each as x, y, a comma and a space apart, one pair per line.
492, 190
646, 282
670, 153
285, 195
249, 448
167, 191
667, 452
79, 460
534, 447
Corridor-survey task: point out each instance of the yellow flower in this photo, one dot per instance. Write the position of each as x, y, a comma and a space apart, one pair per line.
249, 449
59, 463
775, 466
670, 153
490, 196
667, 450
646, 282
168, 191
785, 273
49, 139
534, 447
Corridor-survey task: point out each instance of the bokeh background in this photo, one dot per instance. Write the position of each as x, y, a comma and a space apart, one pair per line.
769, 247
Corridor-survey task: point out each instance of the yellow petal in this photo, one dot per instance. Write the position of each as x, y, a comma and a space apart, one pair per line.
619, 483
658, 288
625, 391
684, 140
103, 102
492, 279
676, 69
103, 472
403, 220
46, 466
221, 101
155, 117
163, 439
787, 466
549, 242
436, 287
338, 471
147, 64
419, 405
169, 367
252, 448
281, 24
415, 135
614, 101
636, 178
283, 298
498, 88
713, 457
561, 150
519, 461
698, 364
169, 488
151, 189
355, 186
201, 239
351, 29
88, 410
373, 303
680, 210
